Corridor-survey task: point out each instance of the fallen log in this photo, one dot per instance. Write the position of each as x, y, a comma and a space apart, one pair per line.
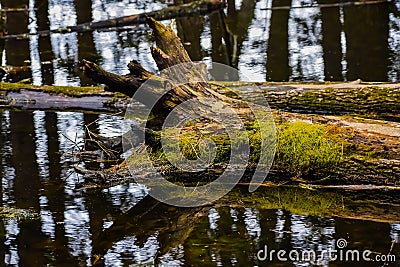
363, 98
31, 97
324, 149
371, 100
357, 165
197, 7
380, 100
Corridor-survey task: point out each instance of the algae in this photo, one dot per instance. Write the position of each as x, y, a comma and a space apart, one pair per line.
65, 90
17, 213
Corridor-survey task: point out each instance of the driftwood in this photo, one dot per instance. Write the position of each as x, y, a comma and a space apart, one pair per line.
198, 7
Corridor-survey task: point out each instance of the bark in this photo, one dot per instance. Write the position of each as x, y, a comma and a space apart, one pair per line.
356, 98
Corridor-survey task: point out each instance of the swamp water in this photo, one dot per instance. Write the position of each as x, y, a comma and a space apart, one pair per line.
59, 223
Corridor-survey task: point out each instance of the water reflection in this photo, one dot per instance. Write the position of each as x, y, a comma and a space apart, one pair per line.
11, 229
46, 53
278, 43
17, 50
310, 236
126, 252
306, 57
331, 31
370, 24
264, 43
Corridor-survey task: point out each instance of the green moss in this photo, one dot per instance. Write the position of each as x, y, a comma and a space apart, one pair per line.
193, 144
16, 213
307, 149
302, 149
65, 90
190, 145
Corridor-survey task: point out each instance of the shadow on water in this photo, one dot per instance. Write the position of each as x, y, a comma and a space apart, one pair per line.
122, 225
265, 40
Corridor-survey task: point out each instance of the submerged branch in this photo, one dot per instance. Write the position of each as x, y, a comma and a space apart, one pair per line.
339, 4
198, 7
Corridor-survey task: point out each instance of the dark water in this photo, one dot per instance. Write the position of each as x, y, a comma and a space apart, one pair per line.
311, 44
110, 227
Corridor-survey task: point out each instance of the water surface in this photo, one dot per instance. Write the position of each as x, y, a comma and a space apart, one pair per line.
121, 225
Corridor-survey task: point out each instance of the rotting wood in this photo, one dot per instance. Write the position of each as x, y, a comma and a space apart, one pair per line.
376, 99
170, 52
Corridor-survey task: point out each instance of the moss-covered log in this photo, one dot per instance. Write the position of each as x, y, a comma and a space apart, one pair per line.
312, 149
305, 151
354, 98
380, 100
25, 96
